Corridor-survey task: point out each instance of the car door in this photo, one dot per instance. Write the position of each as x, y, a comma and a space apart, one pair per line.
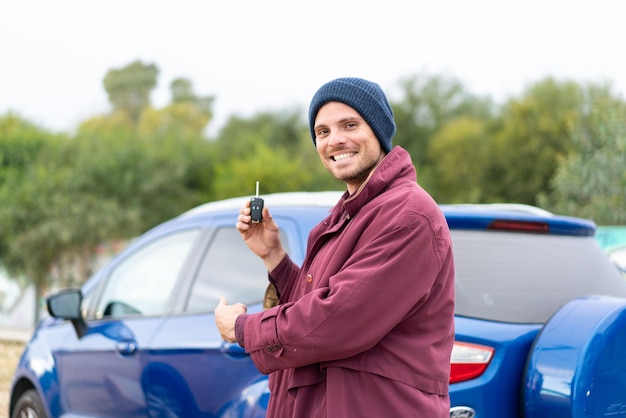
101, 373
218, 378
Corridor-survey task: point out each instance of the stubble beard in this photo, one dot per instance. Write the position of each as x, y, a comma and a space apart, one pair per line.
358, 176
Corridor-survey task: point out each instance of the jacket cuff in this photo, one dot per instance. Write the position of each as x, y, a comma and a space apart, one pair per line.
240, 325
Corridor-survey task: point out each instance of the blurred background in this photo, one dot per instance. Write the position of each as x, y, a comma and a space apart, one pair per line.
117, 115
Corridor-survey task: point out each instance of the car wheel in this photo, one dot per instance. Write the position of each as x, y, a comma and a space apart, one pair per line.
29, 405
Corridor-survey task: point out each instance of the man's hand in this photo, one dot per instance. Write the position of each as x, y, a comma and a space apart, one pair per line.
225, 317
262, 238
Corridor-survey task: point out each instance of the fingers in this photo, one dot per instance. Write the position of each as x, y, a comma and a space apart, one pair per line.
226, 317
237, 308
244, 219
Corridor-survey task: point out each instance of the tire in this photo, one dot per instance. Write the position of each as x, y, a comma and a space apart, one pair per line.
29, 405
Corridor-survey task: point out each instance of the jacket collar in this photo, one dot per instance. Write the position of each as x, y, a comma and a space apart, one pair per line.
395, 167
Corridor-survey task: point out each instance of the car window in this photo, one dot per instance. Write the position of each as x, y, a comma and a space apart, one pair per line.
231, 270
526, 278
141, 284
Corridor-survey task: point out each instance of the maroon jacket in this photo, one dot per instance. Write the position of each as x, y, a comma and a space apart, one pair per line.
365, 327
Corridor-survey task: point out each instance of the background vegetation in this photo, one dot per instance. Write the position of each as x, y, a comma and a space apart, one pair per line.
560, 145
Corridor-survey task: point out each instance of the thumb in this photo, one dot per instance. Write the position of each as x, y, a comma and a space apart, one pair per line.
269, 221
266, 213
223, 301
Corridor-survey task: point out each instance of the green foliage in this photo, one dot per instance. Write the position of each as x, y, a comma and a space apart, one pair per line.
129, 87
460, 149
513, 157
174, 120
275, 149
533, 134
29, 240
153, 177
187, 115
238, 176
116, 121
289, 141
183, 92
103, 184
20, 143
281, 131
560, 144
428, 104
591, 181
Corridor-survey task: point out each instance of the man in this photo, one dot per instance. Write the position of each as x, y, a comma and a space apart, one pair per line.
365, 326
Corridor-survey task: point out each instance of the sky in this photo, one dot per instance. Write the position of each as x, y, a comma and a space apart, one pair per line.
272, 55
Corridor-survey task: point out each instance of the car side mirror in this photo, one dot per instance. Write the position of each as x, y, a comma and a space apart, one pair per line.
66, 304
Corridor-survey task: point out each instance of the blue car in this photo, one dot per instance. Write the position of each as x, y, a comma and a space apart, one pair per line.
540, 320
617, 253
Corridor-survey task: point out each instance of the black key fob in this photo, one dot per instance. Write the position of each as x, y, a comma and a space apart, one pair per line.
256, 209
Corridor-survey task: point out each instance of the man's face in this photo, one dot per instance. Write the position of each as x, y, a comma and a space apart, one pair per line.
346, 144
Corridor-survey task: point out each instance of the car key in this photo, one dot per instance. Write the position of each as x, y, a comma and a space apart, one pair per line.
256, 206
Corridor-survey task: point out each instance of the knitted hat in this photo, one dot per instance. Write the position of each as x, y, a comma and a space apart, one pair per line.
366, 98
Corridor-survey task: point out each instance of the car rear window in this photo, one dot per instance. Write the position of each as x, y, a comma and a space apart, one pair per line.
526, 278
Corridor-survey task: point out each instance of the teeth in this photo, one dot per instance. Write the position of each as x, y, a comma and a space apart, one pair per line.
343, 156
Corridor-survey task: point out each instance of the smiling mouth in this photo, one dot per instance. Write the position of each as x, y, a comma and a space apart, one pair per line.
343, 156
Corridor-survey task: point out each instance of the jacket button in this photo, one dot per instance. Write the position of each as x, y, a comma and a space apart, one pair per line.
309, 278
276, 347
269, 348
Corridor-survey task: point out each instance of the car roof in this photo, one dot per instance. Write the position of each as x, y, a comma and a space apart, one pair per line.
287, 199
477, 216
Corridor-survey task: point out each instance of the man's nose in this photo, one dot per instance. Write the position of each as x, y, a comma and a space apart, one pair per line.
336, 138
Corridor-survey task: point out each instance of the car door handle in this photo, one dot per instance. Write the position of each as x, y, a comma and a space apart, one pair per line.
126, 348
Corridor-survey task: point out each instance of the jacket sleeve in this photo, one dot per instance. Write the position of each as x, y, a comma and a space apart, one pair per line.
387, 277
283, 277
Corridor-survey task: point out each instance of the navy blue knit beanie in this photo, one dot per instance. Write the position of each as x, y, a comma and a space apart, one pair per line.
366, 98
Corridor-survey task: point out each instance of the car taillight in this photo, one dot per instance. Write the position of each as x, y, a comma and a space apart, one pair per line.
522, 226
469, 361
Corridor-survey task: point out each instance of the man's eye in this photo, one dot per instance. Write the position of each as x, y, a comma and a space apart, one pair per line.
322, 132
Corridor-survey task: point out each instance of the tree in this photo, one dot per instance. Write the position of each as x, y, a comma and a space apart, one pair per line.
129, 87
183, 120
116, 121
20, 143
275, 169
150, 178
283, 130
460, 149
183, 92
533, 134
590, 182
429, 103
186, 116
62, 197
273, 148
29, 242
